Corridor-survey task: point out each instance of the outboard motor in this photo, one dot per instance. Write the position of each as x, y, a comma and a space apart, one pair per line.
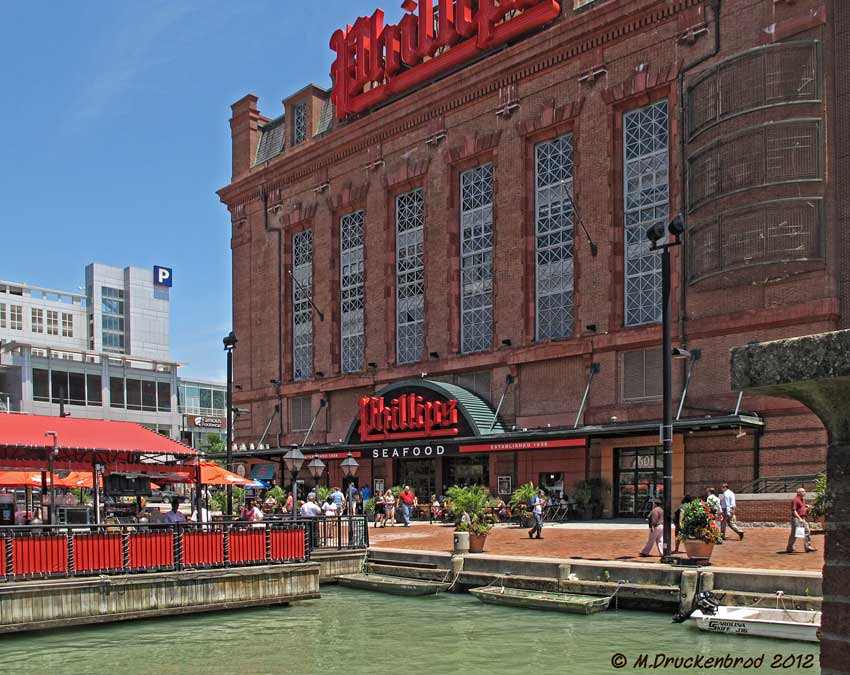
705, 601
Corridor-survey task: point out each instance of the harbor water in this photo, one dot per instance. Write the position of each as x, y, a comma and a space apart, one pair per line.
351, 632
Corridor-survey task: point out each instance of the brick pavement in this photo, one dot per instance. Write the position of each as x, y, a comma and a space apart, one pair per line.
760, 548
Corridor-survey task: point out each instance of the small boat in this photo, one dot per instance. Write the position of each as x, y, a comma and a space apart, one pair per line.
559, 602
783, 624
393, 585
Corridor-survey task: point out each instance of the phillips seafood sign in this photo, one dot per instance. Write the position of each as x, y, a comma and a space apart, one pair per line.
406, 416
375, 62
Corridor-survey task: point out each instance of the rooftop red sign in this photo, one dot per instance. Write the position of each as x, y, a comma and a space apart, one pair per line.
407, 416
375, 62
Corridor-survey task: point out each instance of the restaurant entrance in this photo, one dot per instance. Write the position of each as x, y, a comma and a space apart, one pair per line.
420, 475
639, 479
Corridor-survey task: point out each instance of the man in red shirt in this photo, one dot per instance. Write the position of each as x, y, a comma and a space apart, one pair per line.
799, 511
407, 500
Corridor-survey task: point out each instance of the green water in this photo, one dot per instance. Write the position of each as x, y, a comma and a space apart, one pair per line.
352, 632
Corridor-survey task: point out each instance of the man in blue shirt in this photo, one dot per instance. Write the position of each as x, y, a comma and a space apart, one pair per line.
337, 498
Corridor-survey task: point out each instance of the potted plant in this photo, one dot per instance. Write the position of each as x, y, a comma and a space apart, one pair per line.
469, 506
521, 503
698, 529
818, 510
583, 496
600, 493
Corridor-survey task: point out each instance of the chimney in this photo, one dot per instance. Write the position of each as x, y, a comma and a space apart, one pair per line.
244, 134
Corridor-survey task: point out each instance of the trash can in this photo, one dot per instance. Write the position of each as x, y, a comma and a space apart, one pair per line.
461, 542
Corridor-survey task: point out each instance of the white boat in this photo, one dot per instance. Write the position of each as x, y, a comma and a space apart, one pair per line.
783, 624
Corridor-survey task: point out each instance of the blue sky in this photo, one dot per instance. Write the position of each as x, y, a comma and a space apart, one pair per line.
116, 137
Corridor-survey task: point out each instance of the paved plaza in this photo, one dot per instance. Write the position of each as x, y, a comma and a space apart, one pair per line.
761, 548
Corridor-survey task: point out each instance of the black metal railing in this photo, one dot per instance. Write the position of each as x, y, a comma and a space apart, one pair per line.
774, 484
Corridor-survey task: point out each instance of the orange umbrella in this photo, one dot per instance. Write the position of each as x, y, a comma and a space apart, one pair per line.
213, 474
32, 479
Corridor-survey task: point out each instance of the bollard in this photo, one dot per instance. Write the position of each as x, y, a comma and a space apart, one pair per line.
687, 590
462, 542
564, 570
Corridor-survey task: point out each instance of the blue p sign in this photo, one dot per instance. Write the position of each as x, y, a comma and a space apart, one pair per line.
162, 276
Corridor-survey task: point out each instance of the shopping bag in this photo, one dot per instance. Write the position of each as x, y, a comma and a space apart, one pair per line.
800, 532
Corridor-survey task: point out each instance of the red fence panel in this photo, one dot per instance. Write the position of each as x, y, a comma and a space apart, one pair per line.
203, 548
151, 550
287, 544
40, 555
97, 552
247, 546
2, 557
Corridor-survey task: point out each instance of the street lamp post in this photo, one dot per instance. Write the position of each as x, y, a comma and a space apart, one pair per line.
317, 468
349, 468
294, 460
229, 344
51, 454
656, 235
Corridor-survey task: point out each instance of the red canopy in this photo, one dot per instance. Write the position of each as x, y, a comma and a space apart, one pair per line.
120, 446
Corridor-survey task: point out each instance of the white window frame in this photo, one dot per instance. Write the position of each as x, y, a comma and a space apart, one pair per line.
476, 259
16, 317
302, 309
52, 322
410, 276
67, 324
2, 315
646, 200
554, 236
37, 317
352, 299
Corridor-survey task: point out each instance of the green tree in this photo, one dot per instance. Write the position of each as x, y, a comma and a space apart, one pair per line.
213, 444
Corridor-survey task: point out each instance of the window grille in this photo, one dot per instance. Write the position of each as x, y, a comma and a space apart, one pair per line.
300, 413
410, 276
755, 157
646, 194
476, 252
351, 291
642, 374
299, 123
554, 238
16, 317
52, 322
772, 75
302, 309
772, 232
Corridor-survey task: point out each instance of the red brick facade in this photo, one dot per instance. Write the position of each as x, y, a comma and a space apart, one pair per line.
750, 141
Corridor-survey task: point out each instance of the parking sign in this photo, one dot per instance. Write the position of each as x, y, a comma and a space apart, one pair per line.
162, 276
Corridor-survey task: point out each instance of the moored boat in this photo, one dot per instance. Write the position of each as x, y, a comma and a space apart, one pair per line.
783, 624
394, 585
527, 599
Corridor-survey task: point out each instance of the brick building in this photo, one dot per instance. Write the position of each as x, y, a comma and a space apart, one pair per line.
463, 219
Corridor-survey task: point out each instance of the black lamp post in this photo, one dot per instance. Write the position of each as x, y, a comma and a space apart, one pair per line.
349, 468
229, 344
656, 235
317, 468
294, 460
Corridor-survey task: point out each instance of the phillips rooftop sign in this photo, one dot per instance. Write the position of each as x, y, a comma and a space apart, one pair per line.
375, 62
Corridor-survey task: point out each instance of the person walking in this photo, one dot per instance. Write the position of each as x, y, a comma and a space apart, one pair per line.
389, 508
728, 503
407, 501
799, 514
656, 530
537, 503
379, 509
351, 497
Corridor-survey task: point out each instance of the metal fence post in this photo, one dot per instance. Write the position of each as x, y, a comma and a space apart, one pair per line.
69, 541
178, 547
268, 533
225, 528
125, 549
10, 558
339, 532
